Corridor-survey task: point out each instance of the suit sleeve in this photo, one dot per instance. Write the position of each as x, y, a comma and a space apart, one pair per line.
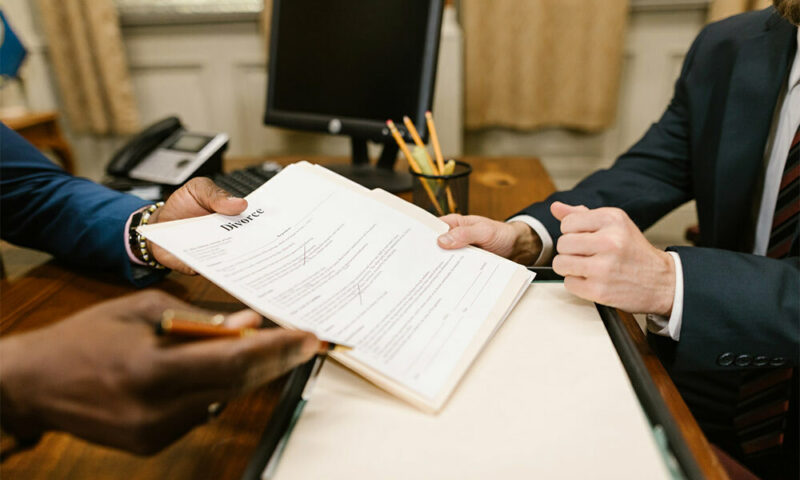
648, 181
78, 221
736, 303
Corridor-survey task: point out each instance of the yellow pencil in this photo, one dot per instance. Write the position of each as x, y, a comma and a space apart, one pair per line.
437, 150
412, 163
415, 135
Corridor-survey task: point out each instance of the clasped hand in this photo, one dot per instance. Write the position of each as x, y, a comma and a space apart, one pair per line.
602, 255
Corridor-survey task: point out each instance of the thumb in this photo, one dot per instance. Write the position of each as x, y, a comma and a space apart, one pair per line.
212, 198
561, 210
461, 236
453, 220
275, 352
243, 319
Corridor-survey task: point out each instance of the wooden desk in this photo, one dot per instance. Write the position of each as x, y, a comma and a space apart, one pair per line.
221, 449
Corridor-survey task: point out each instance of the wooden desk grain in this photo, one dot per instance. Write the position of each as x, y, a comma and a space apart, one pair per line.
499, 187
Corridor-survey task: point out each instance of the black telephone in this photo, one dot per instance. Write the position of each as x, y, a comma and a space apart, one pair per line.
166, 154
139, 146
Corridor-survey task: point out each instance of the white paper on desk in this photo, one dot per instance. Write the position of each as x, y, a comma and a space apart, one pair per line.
374, 279
548, 399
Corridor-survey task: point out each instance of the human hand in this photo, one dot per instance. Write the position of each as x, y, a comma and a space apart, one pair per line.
105, 376
515, 240
605, 258
199, 196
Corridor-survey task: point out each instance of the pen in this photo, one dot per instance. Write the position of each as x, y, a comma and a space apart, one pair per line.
179, 327
180, 323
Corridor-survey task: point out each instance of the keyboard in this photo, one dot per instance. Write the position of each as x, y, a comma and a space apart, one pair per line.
243, 181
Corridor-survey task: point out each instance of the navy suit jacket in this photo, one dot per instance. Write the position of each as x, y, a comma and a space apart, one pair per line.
75, 219
709, 146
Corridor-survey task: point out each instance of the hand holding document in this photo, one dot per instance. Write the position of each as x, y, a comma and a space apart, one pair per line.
317, 252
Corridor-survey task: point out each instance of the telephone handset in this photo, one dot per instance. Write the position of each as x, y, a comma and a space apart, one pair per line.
166, 154
140, 145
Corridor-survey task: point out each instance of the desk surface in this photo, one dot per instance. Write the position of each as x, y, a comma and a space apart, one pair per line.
221, 449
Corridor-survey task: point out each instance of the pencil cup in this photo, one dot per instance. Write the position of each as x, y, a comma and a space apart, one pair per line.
442, 194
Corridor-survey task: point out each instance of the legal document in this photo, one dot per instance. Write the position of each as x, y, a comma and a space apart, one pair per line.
317, 252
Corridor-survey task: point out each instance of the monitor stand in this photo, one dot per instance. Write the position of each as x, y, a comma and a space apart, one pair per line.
382, 175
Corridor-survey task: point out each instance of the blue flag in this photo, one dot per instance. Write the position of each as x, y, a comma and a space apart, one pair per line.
12, 52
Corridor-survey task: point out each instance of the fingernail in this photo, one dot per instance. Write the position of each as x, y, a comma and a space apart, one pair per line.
446, 240
234, 198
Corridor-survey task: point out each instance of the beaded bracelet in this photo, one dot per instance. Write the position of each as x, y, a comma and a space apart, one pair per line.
138, 242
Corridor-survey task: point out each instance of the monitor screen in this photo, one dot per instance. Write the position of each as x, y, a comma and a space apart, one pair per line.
360, 60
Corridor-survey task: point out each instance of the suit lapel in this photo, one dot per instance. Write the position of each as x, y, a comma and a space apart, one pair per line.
758, 74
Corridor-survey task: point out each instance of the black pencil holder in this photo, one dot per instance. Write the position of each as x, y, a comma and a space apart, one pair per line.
442, 194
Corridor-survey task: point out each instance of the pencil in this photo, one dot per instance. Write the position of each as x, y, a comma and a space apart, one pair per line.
413, 163
415, 135
437, 151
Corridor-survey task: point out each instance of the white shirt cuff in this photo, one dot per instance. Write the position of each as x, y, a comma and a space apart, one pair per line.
547, 241
661, 325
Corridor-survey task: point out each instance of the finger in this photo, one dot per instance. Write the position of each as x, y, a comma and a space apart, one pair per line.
243, 319
578, 244
213, 198
571, 265
585, 221
453, 219
240, 364
170, 261
561, 210
168, 419
580, 287
148, 306
462, 236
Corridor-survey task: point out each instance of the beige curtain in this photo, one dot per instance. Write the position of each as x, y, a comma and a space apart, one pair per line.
543, 63
88, 57
719, 9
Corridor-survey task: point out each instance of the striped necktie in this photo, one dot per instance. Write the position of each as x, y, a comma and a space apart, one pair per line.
764, 395
783, 238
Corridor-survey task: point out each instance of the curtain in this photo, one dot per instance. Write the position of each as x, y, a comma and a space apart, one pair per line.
719, 9
88, 57
543, 63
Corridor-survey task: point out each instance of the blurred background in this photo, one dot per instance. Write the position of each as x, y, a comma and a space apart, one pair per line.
574, 82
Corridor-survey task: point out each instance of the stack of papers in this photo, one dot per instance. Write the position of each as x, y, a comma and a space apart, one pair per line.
317, 252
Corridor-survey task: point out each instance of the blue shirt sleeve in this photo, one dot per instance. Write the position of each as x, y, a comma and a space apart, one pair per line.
78, 221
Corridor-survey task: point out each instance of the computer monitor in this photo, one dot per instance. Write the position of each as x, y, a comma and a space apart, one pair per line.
346, 66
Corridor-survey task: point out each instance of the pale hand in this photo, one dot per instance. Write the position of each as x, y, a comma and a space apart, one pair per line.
199, 196
605, 258
105, 376
514, 240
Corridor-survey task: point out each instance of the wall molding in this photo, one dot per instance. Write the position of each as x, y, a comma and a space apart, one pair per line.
667, 5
